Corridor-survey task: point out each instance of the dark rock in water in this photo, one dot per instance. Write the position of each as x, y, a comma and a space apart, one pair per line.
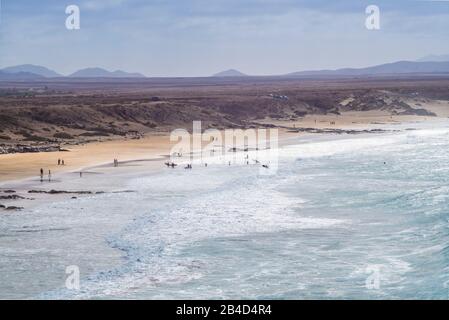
124, 191
60, 192
11, 197
74, 198
339, 131
2, 206
14, 208
68, 192
9, 191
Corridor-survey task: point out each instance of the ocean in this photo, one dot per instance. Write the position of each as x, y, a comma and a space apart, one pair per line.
344, 217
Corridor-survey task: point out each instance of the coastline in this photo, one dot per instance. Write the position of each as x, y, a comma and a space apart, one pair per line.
142, 199
169, 209
22, 166
19, 167
19, 173
224, 160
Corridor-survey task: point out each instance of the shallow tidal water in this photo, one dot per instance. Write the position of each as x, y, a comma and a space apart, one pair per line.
339, 212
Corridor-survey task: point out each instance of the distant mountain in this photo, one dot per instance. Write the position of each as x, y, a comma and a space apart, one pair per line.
230, 73
433, 57
19, 76
102, 73
29, 68
400, 67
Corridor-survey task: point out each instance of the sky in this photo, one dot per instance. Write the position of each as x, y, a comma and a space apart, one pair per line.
203, 37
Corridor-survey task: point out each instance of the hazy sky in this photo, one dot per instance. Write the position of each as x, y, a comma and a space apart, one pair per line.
202, 37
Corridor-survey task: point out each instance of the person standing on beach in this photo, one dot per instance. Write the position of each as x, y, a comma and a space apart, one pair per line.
49, 175
42, 174
59, 162
62, 162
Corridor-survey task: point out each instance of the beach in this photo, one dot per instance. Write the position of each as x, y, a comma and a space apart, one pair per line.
25, 165
20, 172
157, 146
147, 231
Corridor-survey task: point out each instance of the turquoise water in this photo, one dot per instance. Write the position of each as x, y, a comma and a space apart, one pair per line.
338, 208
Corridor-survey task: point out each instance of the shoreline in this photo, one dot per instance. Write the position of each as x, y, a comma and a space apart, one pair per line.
20, 167
17, 168
118, 197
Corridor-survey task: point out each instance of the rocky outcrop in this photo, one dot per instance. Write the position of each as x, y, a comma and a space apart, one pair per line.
6, 149
12, 208
338, 131
11, 197
75, 192
60, 192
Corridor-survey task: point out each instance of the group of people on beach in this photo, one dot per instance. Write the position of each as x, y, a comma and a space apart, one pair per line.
61, 162
189, 166
42, 175
171, 164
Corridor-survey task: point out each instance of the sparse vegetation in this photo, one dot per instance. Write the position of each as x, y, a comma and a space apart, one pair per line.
4, 137
63, 135
35, 138
117, 109
94, 134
